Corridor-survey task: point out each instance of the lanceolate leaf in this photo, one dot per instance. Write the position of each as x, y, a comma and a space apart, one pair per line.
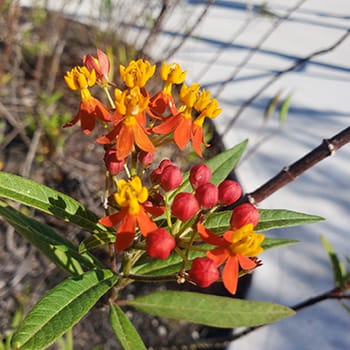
46, 199
61, 308
210, 310
60, 251
96, 240
221, 166
269, 219
337, 267
124, 330
277, 218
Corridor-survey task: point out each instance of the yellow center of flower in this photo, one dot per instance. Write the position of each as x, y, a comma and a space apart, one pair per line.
137, 73
188, 94
130, 194
80, 78
211, 111
130, 102
245, 241
171, 74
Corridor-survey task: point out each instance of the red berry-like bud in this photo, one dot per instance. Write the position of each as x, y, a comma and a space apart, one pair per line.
170, 178
113, 165
155, 174
244, 214
203, 272
159, 244
146, 158
185, 206
207, 195
229, 192
200, 174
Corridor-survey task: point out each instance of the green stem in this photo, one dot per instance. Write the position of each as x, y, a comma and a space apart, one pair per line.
110, 100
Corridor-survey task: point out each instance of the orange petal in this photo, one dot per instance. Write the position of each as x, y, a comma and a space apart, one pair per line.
197, 139
125, 142
145, 223
245, 262
114, 219
218, 255
87, 122
182, 133
110, 137
126, 232
230, 274
168, 126
209, 236
101, 111
142, 140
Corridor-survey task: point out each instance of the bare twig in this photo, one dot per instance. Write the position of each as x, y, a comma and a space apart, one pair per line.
190, 31
253, 51
166, 7
277, 75
290, 173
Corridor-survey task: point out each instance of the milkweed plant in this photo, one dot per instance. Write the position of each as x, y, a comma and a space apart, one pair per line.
160, 223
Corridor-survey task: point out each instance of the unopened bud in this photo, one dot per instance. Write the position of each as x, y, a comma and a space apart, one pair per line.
146, 158
199, 175
185, 206
170, 178
155, 174
113, 165
207, 195
203, 272
244, 214
159, 244
229, 192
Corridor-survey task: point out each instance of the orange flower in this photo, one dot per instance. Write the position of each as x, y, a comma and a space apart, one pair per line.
235, 249
171, 74
130, 120
181, 123
132, 199
80, 78
211, 111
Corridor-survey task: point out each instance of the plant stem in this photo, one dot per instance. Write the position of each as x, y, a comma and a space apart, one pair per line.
290, 173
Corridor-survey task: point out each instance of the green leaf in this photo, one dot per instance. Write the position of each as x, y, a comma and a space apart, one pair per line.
96, 240
221, 166
46, 199
61, 308
124, 330
285, 108
59, 250
338, 269
277, 218
269, 219
210, 310
272, 105
270, 243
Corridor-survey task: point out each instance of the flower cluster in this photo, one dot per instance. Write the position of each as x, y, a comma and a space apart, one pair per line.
156, 209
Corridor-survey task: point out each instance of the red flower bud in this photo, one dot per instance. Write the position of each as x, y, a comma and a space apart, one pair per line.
203, 272
155, 175
146, 158
200, 174
185, 206
170, 178
113, 165
207, 195
244, 214
229, 192
159, 244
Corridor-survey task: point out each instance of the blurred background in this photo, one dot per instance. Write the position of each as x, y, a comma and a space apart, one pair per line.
281, 72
